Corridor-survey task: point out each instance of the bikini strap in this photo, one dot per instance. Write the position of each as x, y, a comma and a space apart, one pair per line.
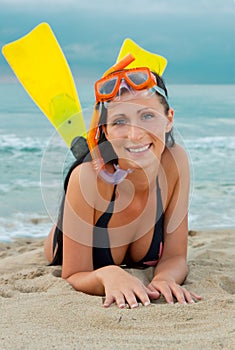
106, 216
159, 202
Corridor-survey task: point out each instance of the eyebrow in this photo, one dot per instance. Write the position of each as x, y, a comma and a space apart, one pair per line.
118, 115
143, 109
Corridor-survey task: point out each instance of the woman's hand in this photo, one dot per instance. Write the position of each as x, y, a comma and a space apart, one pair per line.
122, 288
170, 289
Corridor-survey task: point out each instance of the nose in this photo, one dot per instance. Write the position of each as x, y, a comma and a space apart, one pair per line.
135, 132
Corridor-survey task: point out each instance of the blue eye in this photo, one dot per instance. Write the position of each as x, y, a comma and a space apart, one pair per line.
120, 122
147, 116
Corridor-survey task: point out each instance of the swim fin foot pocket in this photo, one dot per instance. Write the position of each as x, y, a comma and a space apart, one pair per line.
79, 147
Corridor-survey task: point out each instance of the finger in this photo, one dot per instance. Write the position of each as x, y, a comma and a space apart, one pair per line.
188, 296
167, 293
196, 296
109, 299
120, 301
153, 293
151, 288
131, 299
143, 297
180, 294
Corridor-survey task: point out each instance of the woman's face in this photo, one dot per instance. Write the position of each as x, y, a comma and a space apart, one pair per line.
136, 128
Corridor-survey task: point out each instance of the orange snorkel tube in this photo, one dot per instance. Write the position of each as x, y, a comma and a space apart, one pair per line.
93, 136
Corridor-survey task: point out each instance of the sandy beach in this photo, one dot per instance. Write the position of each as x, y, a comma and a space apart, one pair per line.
39, 310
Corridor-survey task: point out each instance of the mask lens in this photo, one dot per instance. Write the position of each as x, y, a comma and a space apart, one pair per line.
138, 78
107, 87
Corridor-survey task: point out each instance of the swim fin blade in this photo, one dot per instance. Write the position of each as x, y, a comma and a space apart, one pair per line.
40, 65
143, 58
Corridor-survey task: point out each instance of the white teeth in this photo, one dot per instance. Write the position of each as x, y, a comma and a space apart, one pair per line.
137, 150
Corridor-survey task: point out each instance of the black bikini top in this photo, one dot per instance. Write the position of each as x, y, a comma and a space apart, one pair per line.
101, 244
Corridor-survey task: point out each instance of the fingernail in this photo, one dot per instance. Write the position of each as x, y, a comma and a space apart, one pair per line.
133, 306
147, 303
192, 301
121, 306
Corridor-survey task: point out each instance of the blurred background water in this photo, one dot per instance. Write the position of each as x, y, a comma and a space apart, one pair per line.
32, 174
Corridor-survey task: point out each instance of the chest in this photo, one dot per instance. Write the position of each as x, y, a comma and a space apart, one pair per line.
129, 231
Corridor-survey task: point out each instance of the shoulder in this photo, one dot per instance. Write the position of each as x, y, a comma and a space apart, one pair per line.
174, 174
83, 174
176, 183
175, 161
176, 153
84, 182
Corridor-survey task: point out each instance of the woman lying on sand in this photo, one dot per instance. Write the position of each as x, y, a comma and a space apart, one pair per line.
131, 211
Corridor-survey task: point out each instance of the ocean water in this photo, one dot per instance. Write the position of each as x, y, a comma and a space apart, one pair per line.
34, 158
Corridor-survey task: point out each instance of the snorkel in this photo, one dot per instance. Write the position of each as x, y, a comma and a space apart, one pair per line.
93, 136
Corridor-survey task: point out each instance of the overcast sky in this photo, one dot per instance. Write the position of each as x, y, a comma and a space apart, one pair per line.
197, 37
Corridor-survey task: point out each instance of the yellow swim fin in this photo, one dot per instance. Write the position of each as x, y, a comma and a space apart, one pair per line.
143, 58
41, 67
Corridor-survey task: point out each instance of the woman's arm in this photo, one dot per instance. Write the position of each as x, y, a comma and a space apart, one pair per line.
172, 269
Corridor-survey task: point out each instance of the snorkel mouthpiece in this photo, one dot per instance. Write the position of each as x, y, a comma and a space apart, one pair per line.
92, 140
114, 178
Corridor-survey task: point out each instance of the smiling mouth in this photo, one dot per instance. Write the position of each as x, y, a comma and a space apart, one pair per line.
138, 149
